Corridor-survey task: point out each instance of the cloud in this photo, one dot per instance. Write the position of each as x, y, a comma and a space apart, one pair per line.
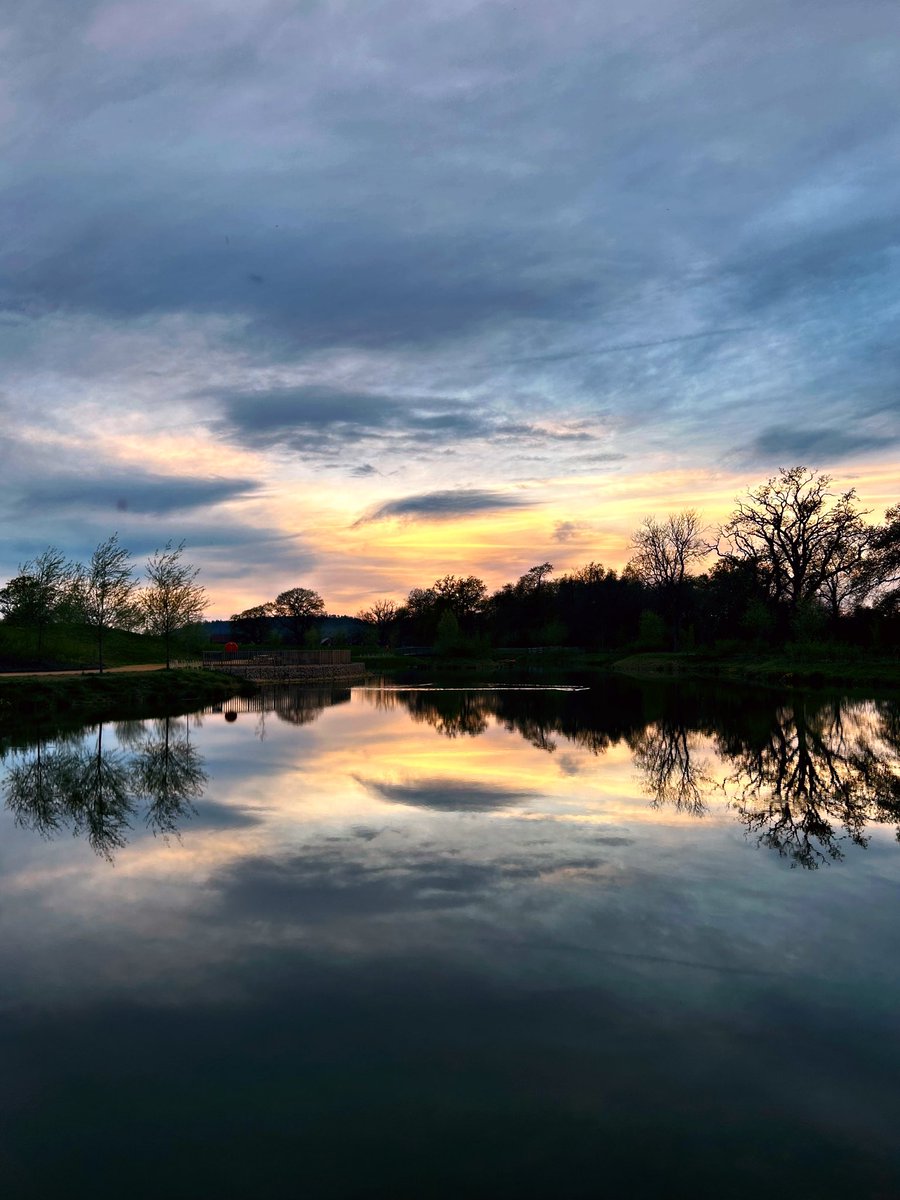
416, 248
573, 531
120, 492
788, 444
445, 505
447, 795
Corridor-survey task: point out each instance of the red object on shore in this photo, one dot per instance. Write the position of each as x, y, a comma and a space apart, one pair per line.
231, 647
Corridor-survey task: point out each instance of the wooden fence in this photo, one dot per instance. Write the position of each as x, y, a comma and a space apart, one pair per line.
275, 658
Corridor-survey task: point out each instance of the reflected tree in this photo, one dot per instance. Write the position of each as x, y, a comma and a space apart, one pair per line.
665, 754
452, 714
97, 796
33, 793
168, 772
94, 791
816, 780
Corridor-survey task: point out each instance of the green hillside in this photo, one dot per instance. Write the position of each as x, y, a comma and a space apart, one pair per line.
76, 646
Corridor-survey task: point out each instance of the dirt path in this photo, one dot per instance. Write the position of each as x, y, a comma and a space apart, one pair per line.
77, 672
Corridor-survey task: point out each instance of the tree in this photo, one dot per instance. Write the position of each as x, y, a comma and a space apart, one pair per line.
36, 595
883, 566
382, 614
804, 539
299, 606
173, 599
253, 624
464, 597
104, 591
533, 578
665, 551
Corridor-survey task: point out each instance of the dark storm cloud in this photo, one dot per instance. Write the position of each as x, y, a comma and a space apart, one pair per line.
445, 506
447, 795
127, 492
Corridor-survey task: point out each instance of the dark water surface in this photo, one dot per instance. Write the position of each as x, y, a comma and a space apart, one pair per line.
620, 941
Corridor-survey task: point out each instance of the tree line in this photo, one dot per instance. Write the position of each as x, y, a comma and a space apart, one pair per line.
795, 560
105, 593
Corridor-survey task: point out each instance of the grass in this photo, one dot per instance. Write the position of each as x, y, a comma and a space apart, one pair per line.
86, 699
809, 665
75, 646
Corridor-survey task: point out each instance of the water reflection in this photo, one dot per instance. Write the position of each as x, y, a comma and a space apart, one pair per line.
96, 791
805, 776
816, 777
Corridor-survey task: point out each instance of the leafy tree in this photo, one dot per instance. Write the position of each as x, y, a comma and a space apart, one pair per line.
173, 598
254, 623
299, 606
805, 540
18, 600
463, 597
105, 590
38, 593
534, 577
448, 638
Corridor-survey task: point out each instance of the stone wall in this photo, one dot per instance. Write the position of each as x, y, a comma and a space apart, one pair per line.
299, 672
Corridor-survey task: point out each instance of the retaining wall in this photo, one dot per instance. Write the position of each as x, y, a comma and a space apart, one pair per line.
298, 672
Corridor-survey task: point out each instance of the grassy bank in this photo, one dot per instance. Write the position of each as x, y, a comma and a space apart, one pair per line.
89, 698
75, 646
491, 667
794, 666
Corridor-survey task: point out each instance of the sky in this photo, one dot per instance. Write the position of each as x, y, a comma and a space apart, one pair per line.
354, 295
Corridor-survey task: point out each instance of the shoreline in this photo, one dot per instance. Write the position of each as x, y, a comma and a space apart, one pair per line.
117, 693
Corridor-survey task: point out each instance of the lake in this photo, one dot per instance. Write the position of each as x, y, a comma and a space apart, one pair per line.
618, 940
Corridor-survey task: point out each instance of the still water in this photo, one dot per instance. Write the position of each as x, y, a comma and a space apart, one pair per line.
616, 941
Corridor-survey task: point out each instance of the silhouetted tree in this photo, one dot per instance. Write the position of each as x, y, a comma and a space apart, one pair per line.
253, 624
801, 537
38, 593
664, 554
173, 598
381, 615
299, 606
104, 592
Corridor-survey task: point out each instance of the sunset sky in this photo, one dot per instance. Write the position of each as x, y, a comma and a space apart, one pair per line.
352, 295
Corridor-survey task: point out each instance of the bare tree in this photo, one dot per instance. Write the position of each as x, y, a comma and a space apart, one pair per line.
664, 553
804, 539
104, 591
173, 598
381, 615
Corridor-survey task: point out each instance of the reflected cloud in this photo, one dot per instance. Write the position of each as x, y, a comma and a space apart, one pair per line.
807, 777
447, 795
